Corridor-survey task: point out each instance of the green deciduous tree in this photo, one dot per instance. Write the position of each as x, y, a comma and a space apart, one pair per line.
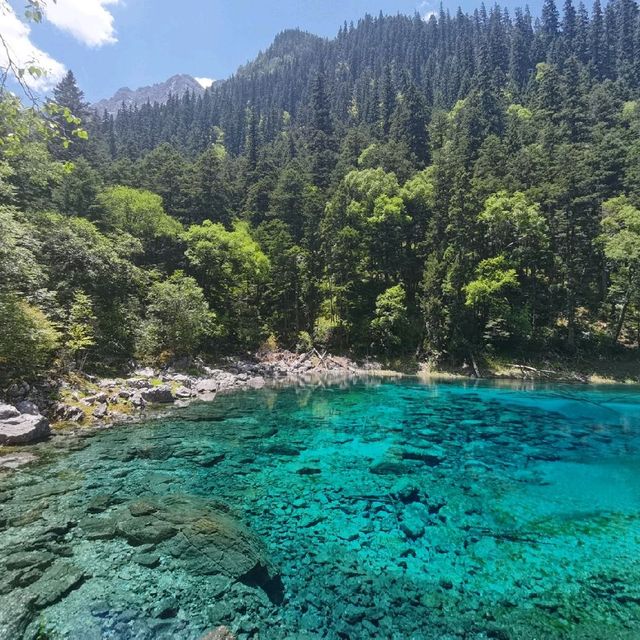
232, 270
620, 241
178, 319
390, 324
141, 214
80, 330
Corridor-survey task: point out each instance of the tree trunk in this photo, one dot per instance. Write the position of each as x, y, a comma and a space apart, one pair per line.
620, 323
571, 325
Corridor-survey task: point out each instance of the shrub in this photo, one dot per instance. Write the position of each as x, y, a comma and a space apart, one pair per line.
28, 339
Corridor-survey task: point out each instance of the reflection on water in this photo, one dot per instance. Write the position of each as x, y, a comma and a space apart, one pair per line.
369, 509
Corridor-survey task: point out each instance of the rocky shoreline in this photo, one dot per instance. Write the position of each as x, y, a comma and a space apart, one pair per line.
30, 412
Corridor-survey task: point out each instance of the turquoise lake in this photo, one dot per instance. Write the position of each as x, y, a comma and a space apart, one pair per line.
355, 510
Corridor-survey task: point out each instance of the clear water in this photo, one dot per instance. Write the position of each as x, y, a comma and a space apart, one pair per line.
370, 509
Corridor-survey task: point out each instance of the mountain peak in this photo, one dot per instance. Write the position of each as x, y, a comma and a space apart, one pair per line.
177, 84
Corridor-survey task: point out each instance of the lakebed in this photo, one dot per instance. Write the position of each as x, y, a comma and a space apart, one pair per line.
364, 508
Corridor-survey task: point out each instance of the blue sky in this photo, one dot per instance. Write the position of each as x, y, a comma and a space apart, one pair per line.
114, 43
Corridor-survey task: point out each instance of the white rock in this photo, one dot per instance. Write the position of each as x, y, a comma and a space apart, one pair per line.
146, 372
7, 411
23, 429
256, 382
208, 385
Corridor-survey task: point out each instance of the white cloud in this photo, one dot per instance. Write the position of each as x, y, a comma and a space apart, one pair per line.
426, 11
205, 83
86, 20
23, 53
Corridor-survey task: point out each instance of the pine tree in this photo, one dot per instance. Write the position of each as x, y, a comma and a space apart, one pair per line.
550, 22
569, 24
387, 101
597, 41
410, 121
71, 113
321, 141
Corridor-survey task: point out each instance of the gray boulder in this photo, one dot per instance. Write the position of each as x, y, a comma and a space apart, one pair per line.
98, 398
137, 401
145, 372
138, 383
256, 382
209, 385
101, 411
23, 429
68, 412
160, 394
26, 406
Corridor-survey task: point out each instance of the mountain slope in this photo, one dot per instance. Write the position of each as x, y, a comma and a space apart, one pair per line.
369, 65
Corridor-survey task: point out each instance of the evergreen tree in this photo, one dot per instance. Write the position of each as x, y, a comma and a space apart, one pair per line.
71, 111
410, 121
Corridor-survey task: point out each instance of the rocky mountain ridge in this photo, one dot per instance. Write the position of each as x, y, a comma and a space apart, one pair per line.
176, 85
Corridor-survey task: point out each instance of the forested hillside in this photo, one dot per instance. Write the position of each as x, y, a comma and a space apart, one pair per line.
465, 184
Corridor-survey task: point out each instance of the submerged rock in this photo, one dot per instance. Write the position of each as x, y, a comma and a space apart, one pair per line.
431, 456
15, 460
142, 508
414, 520
212, 542
283, 449
210, 460
389, 467
167, 608
95, 528
149, 560
56, 582
221, 633
406, 491
144, 530
309, 471
29, 559
16, 612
